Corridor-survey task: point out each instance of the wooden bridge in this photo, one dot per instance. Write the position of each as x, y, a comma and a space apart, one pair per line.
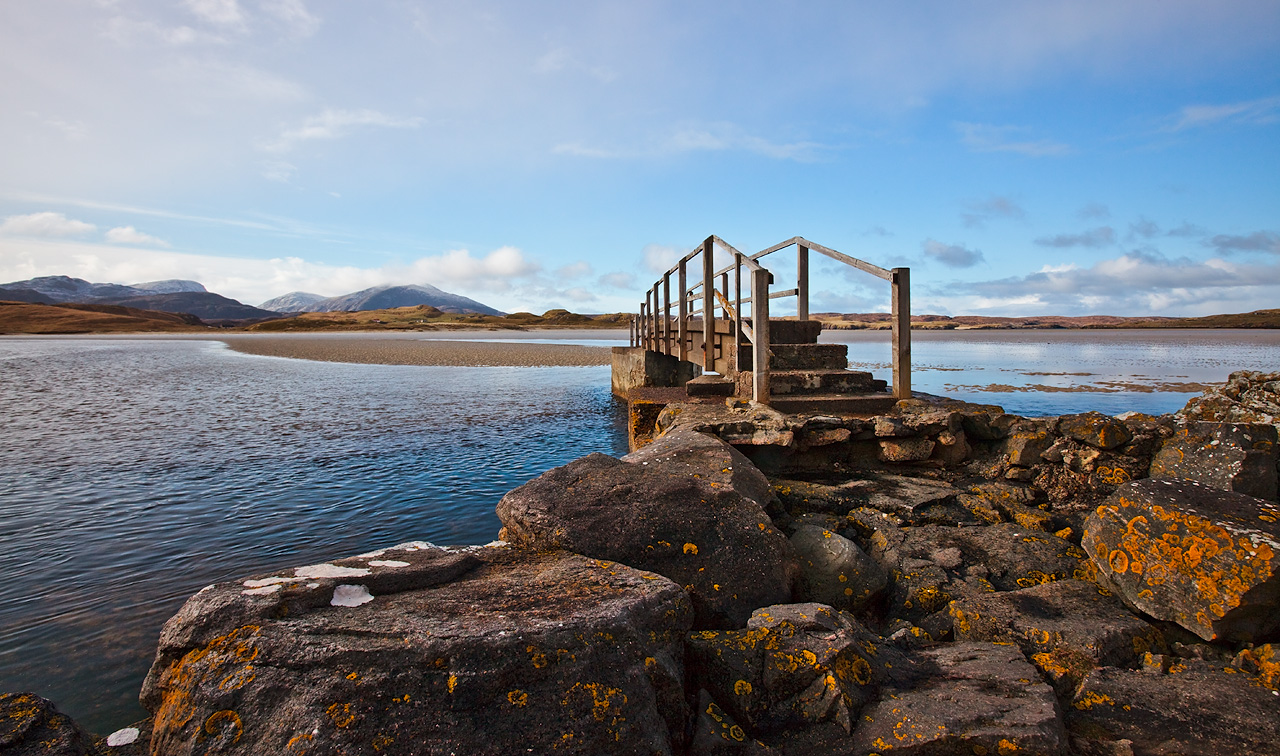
697, 314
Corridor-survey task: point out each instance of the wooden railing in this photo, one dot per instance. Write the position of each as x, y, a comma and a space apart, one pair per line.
653, 327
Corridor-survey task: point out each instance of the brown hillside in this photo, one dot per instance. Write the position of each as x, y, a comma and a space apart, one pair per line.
22, 317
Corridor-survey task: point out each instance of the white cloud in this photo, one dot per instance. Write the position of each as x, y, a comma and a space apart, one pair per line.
625, 281
715, 137
333, 124
1251, 112
991, 208
219, 12
1258, 241
131, 235
459, 267
295, 14
952, 255
659, 258
574, 270
278, 170
987, 138
45, 224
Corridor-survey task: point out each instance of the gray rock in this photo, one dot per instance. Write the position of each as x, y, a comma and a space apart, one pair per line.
522, 652
1065, 628
1026, 442
31, 725
795, 666
1206, 559
688, 507
905, 449
717, 733
1015, 557
834, 570
963, 698
1095, 429
1248, 396
1194, 708
1232, 456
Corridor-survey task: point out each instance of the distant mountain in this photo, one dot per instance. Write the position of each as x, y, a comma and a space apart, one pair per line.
21, 294
207, 306
170, 286
387, 297
294, 301
68, 289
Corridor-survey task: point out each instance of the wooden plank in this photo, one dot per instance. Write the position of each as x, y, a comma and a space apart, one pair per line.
802, 282
682, 323
760, 336
708, 306
666, 312
861, 265
901, 296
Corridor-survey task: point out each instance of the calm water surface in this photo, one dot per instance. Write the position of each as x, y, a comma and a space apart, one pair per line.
136, 471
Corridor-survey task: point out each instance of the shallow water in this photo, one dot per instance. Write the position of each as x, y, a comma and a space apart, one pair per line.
135, 472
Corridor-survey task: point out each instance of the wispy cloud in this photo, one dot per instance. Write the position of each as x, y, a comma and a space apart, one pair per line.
335, 124
220, 12
1094, 211
980, 137
1250, 112
1095, 237
45, 224
992, 208
952, 255
294, 14
1258, 241
719, 137
131, 235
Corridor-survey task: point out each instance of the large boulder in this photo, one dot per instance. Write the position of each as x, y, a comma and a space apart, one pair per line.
489, 650
1206, 559
1231, 456
963, 698
688, 506
1066, 628
834, 570
1182, 707
1248, 396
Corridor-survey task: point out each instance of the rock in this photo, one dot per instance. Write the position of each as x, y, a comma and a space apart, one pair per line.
1066, 628
1206, 559
31, 725
1026, 442
963, 698
688, 507
952, 449
919, 500
1262, 661
717, 733
1095, 429
740, 423
522, 652
1014, 557
796, 665
905, 449
1194, 709
1248, 396
1231, 456
834, 570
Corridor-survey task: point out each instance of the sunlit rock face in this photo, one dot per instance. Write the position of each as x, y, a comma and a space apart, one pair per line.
416, 649
1206, 559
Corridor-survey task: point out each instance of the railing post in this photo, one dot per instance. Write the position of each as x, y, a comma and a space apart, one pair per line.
737, 309
682, 325
666, 312
802, 282
708, 305
760, 330
901, 295
631, 331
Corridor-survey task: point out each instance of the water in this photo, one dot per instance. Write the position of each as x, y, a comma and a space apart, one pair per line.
1055, 372
135, 472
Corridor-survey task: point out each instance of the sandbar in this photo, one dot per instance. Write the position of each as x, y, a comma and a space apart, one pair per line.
369, 349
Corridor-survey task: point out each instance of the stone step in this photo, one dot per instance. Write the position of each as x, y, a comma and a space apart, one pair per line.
807, 356
835, 404
804, 382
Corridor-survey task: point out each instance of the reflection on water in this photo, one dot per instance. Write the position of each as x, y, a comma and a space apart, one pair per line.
1056, 372
134, 473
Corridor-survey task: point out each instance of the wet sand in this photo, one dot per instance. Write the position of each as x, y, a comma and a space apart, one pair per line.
364, 348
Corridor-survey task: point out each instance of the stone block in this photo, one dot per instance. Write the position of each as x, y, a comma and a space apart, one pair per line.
1232, 456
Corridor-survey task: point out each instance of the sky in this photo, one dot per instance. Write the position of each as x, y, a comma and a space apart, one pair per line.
1022, 158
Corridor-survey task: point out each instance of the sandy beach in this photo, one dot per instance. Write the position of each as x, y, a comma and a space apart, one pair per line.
372, 349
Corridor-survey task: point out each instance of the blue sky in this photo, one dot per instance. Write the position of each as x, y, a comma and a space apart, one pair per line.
1081, 157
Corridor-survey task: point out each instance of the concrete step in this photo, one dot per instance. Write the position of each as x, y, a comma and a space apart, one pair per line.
806, 382
835, 404
808, 357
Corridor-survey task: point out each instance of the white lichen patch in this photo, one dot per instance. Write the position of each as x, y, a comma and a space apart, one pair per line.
350, 595
413, 546
329, 571
495, 544
268, 581
388, 563
265, 590
123, 737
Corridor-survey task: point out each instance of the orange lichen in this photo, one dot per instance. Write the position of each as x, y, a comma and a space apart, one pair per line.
341, 715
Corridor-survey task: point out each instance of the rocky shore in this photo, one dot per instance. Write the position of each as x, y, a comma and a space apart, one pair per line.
942, 579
